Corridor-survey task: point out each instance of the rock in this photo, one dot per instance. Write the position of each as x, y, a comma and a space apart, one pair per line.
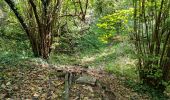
35, 96
8, 83
85, 98
3, 86
15, 88
86, 79
89, 88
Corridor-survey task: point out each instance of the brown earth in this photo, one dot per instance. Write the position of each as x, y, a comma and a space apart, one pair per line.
33, 81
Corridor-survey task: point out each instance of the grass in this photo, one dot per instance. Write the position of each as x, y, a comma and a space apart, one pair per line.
63, 59
117, 58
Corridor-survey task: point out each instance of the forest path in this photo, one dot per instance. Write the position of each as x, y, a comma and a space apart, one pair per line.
41, 81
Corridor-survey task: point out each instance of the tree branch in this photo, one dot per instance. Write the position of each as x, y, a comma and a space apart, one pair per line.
35, 13
18, 15
56, 6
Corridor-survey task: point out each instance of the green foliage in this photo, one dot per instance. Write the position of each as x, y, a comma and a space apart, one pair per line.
103, 43
103, 7
145, 89
123, 61
107, 7
116, 23
89, 41
13, 50
118, 16
63, 59
151, 44
14, 44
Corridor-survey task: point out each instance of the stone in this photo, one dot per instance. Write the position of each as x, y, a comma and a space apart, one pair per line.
3, 86
86, 79
8, 83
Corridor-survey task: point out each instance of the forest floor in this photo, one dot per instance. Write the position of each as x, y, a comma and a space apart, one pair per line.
105, 75
41, 81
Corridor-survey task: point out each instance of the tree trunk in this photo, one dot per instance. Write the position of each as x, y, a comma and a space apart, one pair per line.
45, 45
41, 47
41, 39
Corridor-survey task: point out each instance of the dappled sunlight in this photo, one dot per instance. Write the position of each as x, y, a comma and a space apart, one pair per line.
117, 59
125, 63
84, 49
104, 53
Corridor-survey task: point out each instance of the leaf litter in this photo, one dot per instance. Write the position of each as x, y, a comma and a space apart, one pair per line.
33, 81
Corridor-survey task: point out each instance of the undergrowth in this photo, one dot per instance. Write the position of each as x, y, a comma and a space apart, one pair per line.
116, 57
145, 89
